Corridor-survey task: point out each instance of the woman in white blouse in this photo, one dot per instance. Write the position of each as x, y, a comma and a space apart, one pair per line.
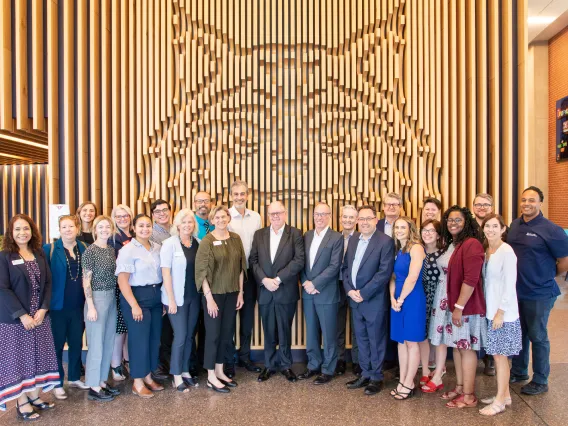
504, 327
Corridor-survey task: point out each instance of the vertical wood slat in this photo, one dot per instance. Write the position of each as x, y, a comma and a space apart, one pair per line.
38, 115
82, 171
69, 142
21, 69
6, 122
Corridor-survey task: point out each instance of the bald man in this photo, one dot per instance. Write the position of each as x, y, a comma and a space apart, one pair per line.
276, 258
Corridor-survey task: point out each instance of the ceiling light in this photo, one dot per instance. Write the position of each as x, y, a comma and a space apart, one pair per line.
541, 20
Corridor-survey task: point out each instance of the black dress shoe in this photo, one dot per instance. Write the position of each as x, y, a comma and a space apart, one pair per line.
290, 375
361, 382
340, 368
229, 370
111, 391
357, 370
190, 381
231, 384
322, 379
102, 395
374, 387
534, 388
308, 374
265, 375
249, 366
159, 375
224, 389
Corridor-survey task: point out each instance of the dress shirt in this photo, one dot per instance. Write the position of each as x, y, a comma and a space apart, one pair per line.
245, 226
203, 227
159, 234
388, 227
316, 242
143, 265
275, 238
359, 253
500, 278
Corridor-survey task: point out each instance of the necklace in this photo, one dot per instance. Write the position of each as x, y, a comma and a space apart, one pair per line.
186, 245
78, 256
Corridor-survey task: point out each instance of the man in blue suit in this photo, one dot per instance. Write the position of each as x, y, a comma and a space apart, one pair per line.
367, 269
320, 280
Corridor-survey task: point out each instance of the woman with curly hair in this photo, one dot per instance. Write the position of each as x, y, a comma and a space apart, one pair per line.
27, 351
460, 321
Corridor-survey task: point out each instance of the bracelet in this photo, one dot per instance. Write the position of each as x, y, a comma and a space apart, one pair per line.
399, 300
460, 307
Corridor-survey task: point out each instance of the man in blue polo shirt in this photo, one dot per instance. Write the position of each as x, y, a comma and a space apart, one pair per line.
542, 253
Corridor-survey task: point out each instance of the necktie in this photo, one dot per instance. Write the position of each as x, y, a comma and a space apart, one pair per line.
206, 225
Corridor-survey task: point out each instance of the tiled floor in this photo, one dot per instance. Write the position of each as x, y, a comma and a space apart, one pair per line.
278, 402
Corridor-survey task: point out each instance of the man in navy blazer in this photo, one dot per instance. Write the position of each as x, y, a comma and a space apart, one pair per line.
320, 280
367, 269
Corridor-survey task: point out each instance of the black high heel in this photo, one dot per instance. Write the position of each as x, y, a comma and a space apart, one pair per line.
32, 416
394, 392
401, 396
231, 384
224, 389
190, 381
42, 405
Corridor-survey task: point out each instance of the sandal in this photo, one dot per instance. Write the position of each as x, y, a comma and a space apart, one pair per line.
491, 400
431, 387
41, 405
424, 380
401, 396
459, 402
30, 416
182, 387
394, 391
492, 409
453, 393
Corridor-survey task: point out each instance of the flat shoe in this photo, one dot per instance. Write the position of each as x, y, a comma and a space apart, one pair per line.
492, 410
41, 405
451, 394
491, 400
142, 393
223, 389
190, 381
153, 386
459, 402
231, 383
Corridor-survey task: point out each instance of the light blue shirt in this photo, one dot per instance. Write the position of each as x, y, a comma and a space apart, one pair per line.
159, 234
143, 265
388, 228
359, 253
202, 230
173, 257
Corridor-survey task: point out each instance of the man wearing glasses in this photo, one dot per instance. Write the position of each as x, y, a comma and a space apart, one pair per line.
320, 280
276, 258
202, 203
162, 215
482, 207
367, 269
391, 209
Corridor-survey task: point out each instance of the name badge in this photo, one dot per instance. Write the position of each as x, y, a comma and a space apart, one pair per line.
18, 262
178, 254
217, 243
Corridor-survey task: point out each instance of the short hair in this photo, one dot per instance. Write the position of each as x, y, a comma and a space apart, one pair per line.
239, 183
413, 235
156, 203
484, 195
537, 190
322, 203
100, 219
349, 207
367, 207
435, 201
395, 196
437, 226
78, 214
178, 219
216, 210
71, 217
10, 245
276, 202
123, 207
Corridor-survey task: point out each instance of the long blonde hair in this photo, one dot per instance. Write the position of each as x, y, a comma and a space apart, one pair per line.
413, 235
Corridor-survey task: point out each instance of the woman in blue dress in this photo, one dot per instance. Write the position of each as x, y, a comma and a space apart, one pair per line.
408, 313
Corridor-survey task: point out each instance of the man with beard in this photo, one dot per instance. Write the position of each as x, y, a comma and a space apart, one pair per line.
202, 203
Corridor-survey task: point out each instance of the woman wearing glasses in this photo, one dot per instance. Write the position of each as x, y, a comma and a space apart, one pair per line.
460, 318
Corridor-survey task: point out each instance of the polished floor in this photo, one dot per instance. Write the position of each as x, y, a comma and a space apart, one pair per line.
277, 402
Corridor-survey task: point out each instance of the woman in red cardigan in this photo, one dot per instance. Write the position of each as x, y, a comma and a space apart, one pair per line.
465, 327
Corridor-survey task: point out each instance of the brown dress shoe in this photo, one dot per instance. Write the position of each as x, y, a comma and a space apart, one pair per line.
154, 386
142, 393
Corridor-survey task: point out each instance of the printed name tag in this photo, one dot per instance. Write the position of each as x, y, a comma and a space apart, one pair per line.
217, 243
17, 262
178, 254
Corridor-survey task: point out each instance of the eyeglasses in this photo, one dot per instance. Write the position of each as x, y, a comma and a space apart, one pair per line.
124, 217
162, 211
202, 201
321, 214
391, 205
456, 221
482, 206
276, 214
428, 231
366, 219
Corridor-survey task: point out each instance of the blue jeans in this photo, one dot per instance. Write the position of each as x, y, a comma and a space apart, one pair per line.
534, 321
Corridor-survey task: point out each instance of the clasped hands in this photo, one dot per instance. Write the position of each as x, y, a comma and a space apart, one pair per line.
355, 295
310, 287
396, 304
30, 322
271, 284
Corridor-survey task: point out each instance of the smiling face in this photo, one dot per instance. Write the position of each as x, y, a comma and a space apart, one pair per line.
322, 216
143, 228
87, 213
456, 223
429, 234
22, 232
103, 230
161, 215
122, 219
221, 220
401, 231
202, 203
530, 204
239, 194
278, 215
493, 230
481, 208
349, 219
367, 222
68, 230
391, 208
430, 211
186, 227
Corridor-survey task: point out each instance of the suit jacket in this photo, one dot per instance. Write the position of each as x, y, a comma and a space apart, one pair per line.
374, 272
381, 225
15, 286
325, 273
58, 265
288, 263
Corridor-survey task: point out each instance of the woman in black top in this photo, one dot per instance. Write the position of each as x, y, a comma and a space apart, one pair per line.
86, 213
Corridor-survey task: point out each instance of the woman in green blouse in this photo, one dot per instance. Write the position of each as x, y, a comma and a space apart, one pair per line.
220, 265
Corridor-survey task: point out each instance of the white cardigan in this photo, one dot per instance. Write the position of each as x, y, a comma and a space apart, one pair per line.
500, 281
173, 257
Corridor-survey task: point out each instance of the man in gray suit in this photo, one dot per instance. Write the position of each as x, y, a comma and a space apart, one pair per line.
320, 280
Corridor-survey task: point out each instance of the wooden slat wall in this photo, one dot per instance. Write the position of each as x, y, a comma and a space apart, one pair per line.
307, 100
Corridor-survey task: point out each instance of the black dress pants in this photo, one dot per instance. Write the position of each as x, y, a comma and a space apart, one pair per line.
219, 330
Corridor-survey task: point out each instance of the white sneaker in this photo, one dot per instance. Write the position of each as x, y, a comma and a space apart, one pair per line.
78, 384
59, 393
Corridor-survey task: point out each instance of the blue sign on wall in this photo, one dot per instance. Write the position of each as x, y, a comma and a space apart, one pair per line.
562, 129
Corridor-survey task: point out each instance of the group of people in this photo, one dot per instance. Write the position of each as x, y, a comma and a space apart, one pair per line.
143, 289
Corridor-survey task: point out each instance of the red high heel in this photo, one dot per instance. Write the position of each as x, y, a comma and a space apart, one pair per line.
431, 387
424, 380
